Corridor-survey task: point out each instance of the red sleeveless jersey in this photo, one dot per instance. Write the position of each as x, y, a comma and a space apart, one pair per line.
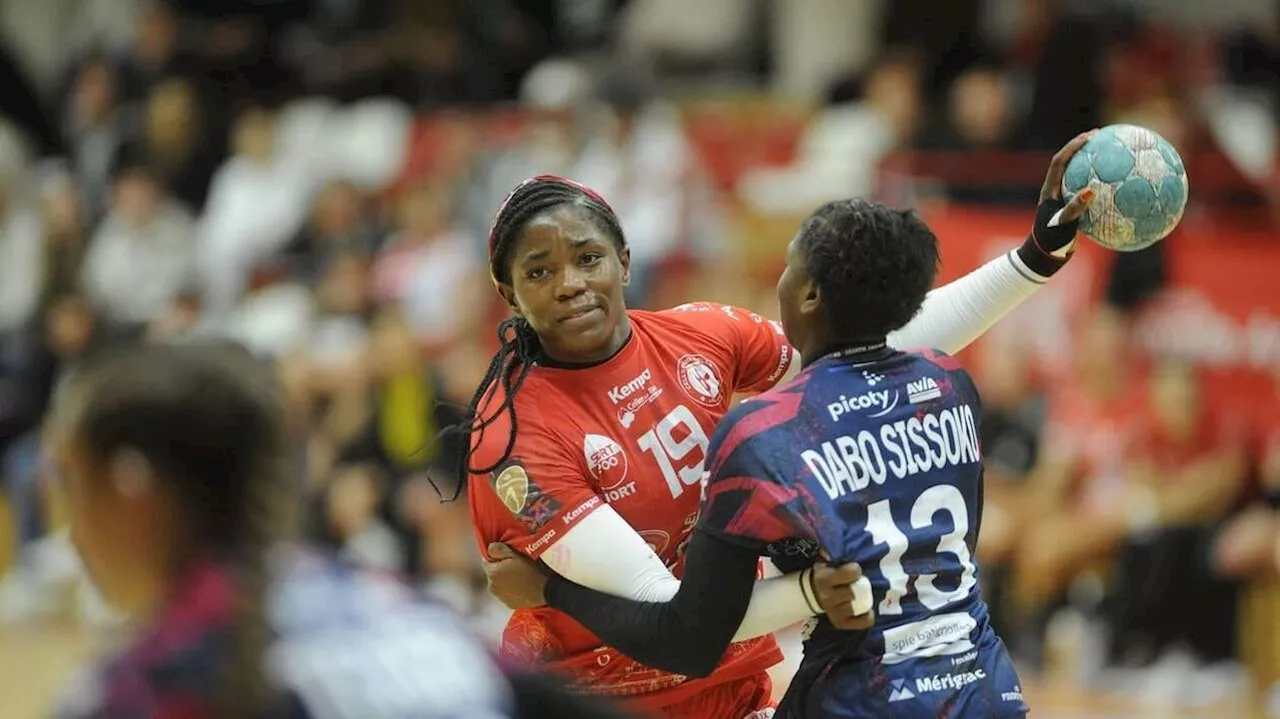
631, 432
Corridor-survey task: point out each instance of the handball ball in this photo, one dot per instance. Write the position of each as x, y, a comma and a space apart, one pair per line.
1140, 182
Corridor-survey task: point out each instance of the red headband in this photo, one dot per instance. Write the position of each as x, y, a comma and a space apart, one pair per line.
539, 178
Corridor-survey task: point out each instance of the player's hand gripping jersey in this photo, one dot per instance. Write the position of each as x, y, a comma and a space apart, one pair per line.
631, 433
874, 460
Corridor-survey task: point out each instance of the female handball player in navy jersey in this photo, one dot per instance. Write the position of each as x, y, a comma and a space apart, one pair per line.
590, 430
174, 462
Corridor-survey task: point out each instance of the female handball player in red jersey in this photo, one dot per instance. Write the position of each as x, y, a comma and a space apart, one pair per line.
174, 463
591, 427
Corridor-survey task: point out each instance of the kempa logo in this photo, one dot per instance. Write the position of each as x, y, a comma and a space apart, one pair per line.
623, 391
923, 390
881, 399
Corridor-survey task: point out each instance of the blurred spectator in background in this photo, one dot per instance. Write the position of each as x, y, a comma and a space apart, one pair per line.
257, 203
21, 250
172, 142
1079, 478
154, 54
341, 222
1065, 48
340, 49
94, 128
979, 117
1185, 471
843, 144
454, 53
66, 223
428, 268
143, 256
945, 38
400, 459
339, 329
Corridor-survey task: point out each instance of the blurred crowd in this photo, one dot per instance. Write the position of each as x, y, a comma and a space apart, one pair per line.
316, 178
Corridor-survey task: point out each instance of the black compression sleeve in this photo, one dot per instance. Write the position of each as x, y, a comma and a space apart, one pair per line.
686, 635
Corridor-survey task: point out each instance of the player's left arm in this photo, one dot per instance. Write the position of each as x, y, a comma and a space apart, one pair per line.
956, 314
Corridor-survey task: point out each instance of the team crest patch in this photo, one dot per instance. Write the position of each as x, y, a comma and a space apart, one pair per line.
522, 496
512, 487
700, 379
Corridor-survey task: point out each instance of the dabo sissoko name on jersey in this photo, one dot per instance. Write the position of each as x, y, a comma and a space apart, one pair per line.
926, 442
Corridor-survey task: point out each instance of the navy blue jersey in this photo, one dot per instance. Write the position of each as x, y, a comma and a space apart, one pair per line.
874, 459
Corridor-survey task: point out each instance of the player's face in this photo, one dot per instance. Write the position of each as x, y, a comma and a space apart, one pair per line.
799, 305
566, 280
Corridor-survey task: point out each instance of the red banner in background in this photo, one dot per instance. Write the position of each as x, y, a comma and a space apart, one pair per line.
1221, 309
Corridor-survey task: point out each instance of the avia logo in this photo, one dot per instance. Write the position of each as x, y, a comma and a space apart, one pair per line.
923, 390
623, 391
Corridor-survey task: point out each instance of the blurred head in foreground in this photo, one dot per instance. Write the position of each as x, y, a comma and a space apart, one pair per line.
174, 461
172, 456
165, 453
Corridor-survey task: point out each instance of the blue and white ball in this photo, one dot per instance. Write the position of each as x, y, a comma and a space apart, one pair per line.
1141, 185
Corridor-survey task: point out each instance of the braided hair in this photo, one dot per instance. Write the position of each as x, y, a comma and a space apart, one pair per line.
518, 345
206, 416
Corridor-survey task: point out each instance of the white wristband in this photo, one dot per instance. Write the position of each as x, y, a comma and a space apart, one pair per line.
862, 596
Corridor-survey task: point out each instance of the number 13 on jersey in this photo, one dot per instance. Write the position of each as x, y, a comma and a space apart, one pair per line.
930, 540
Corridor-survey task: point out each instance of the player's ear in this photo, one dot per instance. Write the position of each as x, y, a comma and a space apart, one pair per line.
509, 296
811, 302
624, 257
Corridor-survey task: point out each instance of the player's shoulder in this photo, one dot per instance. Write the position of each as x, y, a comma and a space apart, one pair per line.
712, 317
534, 428
758, 420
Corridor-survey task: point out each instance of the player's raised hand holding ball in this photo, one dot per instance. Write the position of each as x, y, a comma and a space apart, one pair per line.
1053, 236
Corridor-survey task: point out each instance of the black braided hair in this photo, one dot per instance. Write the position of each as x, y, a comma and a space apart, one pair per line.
518, 345
873, 265
207, 417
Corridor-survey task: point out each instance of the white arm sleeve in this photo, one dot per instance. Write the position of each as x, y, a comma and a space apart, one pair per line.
603, 552
959, 312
